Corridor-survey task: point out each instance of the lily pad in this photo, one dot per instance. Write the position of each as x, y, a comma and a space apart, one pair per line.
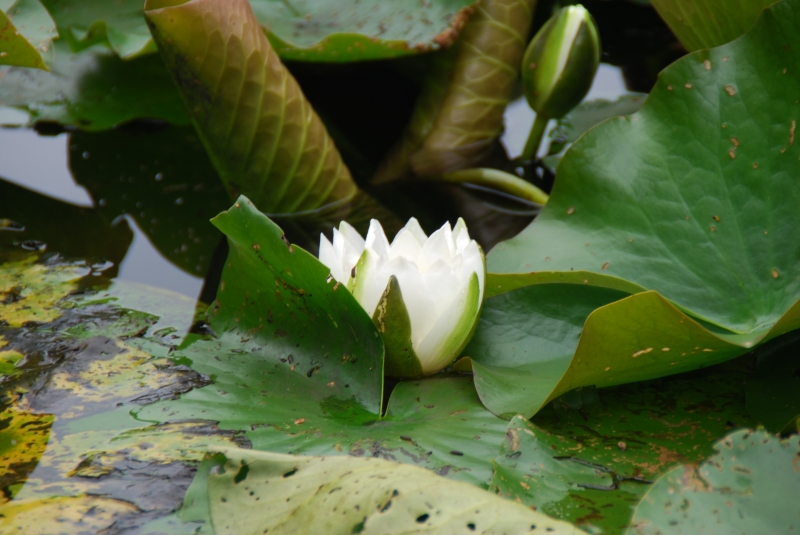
712, 230
305, 30
254, 492
298, 365
73, 515
590, 456
23, 438
120, 23
584, 117
707, 23
93, 90
26, 34
162, 179
538, 342
749, 486
30, 290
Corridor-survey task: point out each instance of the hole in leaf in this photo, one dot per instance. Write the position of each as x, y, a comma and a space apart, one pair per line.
471, 526
290, 473
423, 518
241, 475
358, 528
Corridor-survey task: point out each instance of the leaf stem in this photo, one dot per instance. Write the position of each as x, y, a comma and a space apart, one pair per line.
499, 180
535, 138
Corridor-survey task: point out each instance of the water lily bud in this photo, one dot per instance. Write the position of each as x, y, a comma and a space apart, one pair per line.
424, 293
560, 63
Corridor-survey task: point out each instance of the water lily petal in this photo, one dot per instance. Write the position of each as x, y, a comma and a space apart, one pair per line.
473, 262
460, 235
405, 244
451, 332
352, 236
440, 245
328, 256
415, 229
376, 239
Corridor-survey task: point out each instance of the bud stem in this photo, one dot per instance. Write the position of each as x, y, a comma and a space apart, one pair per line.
534, 138
499, 180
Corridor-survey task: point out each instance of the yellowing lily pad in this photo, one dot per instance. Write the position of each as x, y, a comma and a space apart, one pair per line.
30, 291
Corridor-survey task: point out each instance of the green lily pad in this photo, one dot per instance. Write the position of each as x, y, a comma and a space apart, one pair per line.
162, 179
585, 116
93, 90
118, 22
590, 456
749, 486
305, 30
693, 196
313, 363
26, 34
706, 23
254, 492
535, 343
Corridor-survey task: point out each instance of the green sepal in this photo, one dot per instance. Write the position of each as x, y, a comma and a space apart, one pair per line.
552, 94
392, 319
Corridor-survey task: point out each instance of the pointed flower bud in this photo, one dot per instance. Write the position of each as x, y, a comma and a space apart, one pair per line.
560, 63
424, 293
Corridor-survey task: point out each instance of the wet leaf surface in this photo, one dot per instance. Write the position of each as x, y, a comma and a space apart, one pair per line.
74, 515
23, 439
251, 492
162, 179
29, 290
704, 207
749, 485
66, 430
590, 455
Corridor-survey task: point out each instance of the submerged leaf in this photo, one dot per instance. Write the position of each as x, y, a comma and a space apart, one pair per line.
23, 439
26, 34
73, 515
749, 486
258, 128
254, 492
30, 291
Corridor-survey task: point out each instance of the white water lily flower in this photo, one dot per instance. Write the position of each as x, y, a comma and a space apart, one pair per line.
424, 293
